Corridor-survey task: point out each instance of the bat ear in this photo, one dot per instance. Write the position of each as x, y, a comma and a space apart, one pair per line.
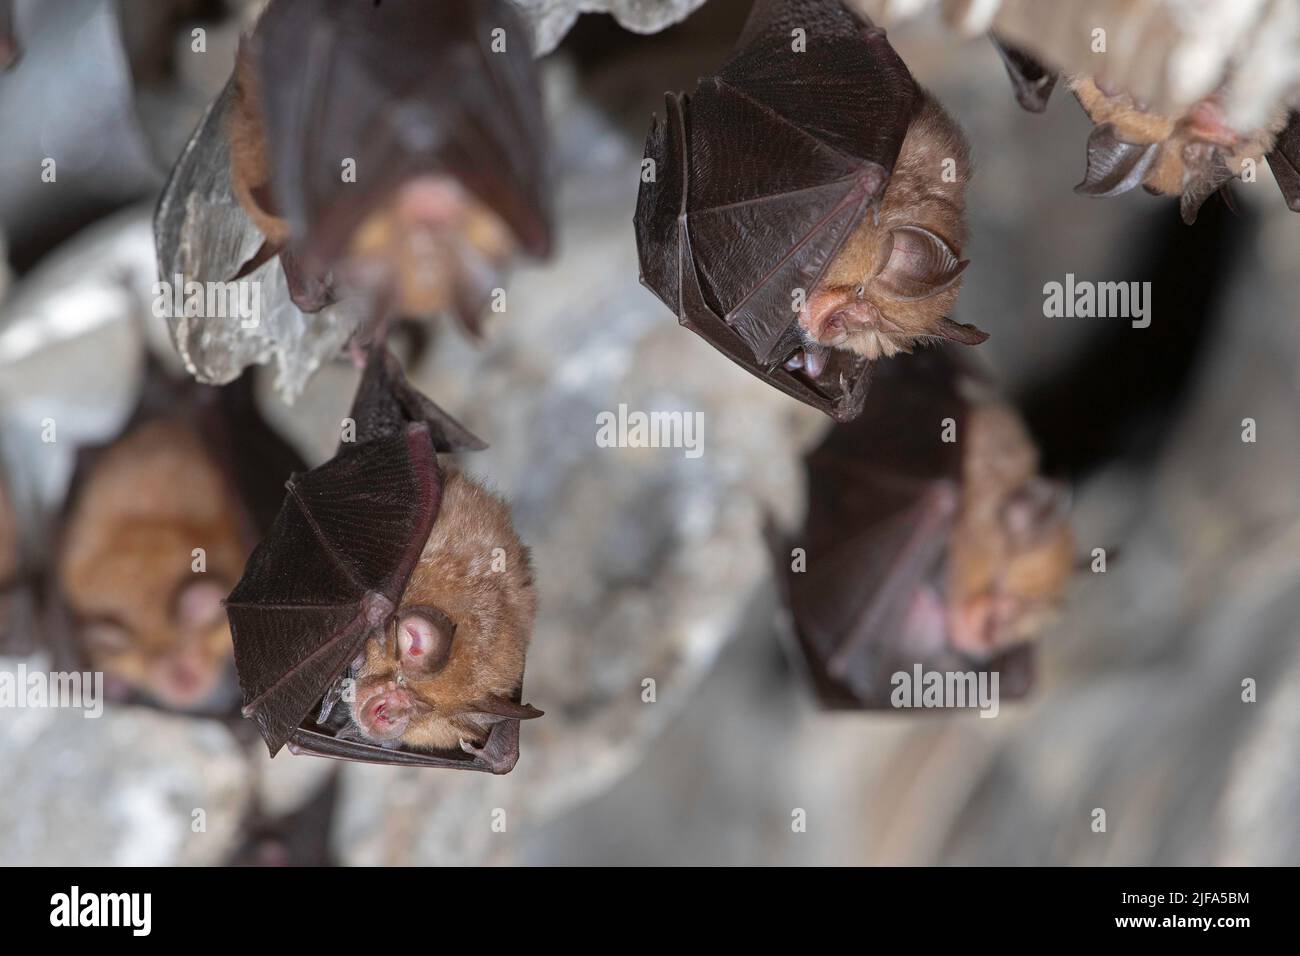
957, 332
919, 264
494, 709
1114, 166
424, 637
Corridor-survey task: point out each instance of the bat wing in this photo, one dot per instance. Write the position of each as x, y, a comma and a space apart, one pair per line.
402, 89
386, 404
1284, 160
1033, 83
498, 755
761, 175
329, 573
884, 493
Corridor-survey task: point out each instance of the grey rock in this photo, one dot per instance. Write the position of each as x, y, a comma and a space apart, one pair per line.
550, 20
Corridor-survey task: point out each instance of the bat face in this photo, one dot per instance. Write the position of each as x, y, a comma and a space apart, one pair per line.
399, 155
1191, 156
930, 539
453, 659
144, 617
897, 276
1011, 552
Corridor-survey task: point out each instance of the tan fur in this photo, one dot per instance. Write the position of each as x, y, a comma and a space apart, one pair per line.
250, 169
1001, 592
152, 498
493, 611
917, 195
422, 250
1182, 140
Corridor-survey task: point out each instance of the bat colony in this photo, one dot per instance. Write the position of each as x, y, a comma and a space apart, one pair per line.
804, 214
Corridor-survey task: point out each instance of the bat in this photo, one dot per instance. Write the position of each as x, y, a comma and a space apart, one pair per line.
10, 51
1032, 82
1191, 156
396, 586
1284, 160
803, 211
950, 554
395, 150
156, 529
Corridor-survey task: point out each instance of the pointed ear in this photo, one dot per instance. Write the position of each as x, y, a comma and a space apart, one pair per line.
1114, 166
919, 265
956, 332
493, 709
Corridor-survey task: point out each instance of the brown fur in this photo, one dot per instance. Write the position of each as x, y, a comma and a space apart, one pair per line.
1186, 143
917, 195
493, 612
1001, 591
250, 168
153, 497
422, 249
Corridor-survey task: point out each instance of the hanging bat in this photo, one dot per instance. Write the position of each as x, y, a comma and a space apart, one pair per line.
395, 586
195, 468
1192, 156
806, 209
949, 553
396, 150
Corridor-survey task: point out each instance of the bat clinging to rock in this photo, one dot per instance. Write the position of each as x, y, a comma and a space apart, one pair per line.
158, 525
396, 585
1192, 156
396, 150
930, 539
805, 213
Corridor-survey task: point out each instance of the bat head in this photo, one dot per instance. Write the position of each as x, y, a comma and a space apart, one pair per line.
438, 247
897, 276
1192, 155
1011, 551
452, 661
143, 615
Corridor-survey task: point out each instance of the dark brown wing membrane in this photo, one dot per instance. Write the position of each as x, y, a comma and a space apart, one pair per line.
329, 573
883, 495
403, 88
386, 403
761, 175
1114, 166
1033, 83
1284, 160
10, 51
499, 755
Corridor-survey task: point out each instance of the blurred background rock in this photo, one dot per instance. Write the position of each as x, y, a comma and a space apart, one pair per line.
651, 565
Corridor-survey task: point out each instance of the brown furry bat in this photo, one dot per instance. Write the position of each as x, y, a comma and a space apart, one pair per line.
897, 277
144, 616
1011, 553
454, 661
1192, 156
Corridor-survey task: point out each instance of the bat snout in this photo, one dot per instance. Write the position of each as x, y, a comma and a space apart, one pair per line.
386, 713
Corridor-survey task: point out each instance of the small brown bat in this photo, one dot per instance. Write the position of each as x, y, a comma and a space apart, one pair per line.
452, 662
1192, 156
805, 213
187, 473
930, 538
386, 575
393, 149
